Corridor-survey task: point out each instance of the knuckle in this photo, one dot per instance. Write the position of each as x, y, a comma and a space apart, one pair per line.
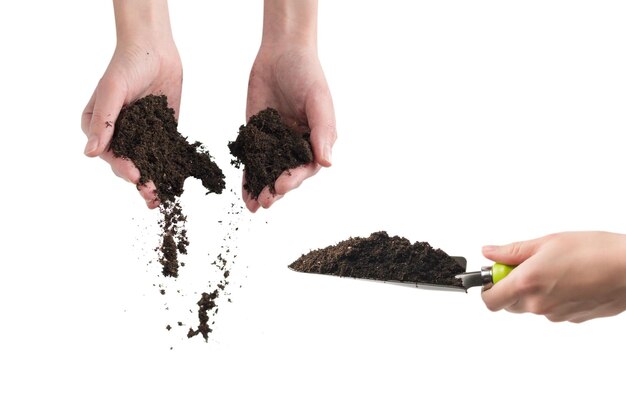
116, 172
530, 283
553, 235
85, 121
96, 115
100, 121
108, 84
517, 248
537, 306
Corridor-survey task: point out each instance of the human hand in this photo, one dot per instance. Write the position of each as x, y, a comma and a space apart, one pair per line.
287, 76
145, 61
572, 276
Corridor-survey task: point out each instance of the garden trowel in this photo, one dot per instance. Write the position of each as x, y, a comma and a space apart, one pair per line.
487, 277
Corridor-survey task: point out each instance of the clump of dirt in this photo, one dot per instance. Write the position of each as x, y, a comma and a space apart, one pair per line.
206, 304
381, 257
146, 132
267, 147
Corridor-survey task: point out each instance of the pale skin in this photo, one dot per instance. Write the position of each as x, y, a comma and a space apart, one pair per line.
570, 276
286, 75
145, 62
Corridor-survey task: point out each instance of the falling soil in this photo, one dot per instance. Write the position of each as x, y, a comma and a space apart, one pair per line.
146, 132
206, 304
381, 257
267, 147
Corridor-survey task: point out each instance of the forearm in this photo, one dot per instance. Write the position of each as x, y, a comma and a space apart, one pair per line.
290, 21
140, 19
619, 256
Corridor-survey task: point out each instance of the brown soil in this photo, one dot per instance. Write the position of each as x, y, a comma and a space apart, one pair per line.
223, 262
381, 257
146, 132
206, 304
267, 147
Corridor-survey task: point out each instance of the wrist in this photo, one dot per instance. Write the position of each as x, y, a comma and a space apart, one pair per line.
290, 23
142, 20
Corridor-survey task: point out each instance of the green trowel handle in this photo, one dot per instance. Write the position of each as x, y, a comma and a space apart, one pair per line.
500, 271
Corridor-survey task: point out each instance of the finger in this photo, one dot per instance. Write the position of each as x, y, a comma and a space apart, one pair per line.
597, 312
109, 99
126, 170
251, 204
503, 294
292, 179
266, 198
516, 307
584, 316
149, 194
514, 253
122, 168
580, 319
557, 317
564, 311
320, 115
85, 119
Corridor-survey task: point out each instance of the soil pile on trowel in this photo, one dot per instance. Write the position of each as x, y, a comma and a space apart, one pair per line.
267, 147
146, 132
381, 257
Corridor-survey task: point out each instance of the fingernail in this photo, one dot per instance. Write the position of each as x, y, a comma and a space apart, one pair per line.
92, 145
490, 248
328, 153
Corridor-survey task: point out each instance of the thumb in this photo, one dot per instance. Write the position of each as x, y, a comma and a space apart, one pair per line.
512, 254
321, 119
108, 100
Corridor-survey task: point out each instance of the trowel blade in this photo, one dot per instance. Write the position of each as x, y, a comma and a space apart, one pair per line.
428, 286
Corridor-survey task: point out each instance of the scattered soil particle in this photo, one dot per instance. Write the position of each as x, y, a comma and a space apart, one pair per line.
223, 262
146, 132
162, 291
168, 327
381, 257
267, 147
206, 303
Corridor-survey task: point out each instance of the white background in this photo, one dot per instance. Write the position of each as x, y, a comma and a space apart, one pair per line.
460, 123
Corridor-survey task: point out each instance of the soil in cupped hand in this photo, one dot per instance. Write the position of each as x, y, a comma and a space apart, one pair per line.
381, 257
267, 147
146, 132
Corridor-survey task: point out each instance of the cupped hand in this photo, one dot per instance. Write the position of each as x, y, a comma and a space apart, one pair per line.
572, 276
291, 80
136, 70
